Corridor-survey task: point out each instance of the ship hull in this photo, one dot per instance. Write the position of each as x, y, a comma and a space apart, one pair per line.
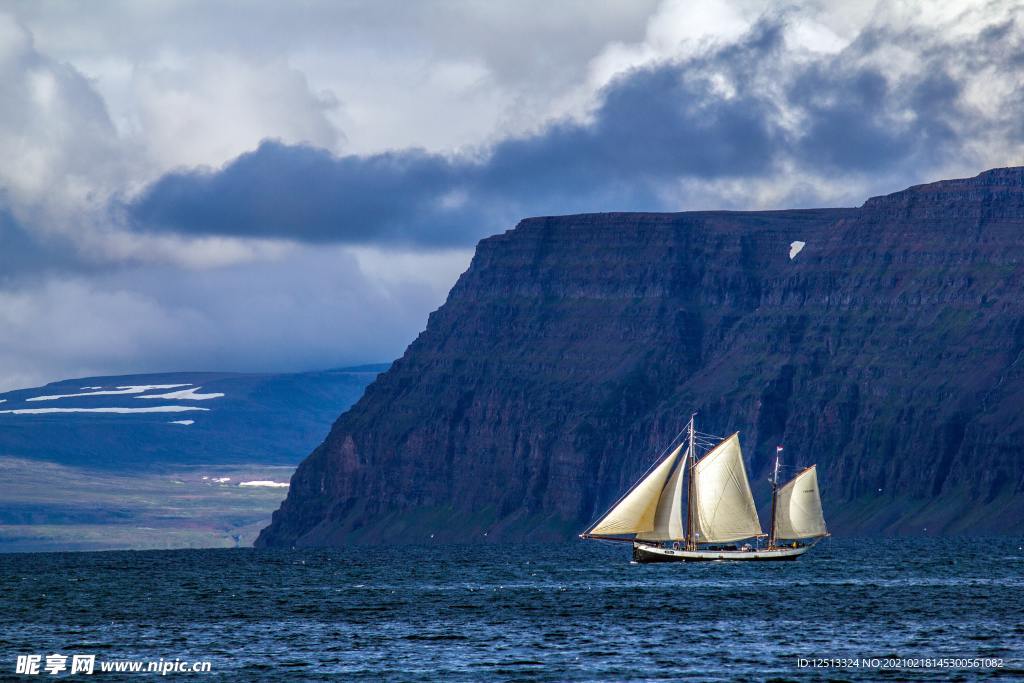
646, 554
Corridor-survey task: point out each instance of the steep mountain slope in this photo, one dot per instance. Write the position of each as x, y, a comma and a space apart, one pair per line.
181, 418
888, 350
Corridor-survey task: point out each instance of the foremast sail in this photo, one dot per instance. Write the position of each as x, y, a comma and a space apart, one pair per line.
668, 516
798, 511
651, 509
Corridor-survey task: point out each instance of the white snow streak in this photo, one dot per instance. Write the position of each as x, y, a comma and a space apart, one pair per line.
183, 422
120, 391
795, 248
184, 395
269, 484
153, 409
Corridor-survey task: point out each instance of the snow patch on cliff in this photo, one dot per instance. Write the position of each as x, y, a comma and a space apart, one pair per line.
795, 248
183, 422
266, 483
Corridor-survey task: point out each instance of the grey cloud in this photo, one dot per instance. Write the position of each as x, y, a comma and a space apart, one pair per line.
854, 124
55, 131
520, 40
19, 251
189, 76
652, 125
307, 193
28, 255
654, 128
708, 131
317, 309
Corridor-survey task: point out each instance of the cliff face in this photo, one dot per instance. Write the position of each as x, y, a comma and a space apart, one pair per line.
889, 351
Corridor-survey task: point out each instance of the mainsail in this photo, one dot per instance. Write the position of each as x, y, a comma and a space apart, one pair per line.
798, 507
723, 504
651, 509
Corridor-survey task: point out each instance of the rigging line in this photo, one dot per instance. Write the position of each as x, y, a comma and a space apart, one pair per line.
669, 446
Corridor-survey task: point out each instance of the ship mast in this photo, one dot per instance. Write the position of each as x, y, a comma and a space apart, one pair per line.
775, 491
690, 543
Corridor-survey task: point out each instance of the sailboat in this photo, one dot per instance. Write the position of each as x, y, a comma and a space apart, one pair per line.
719, 508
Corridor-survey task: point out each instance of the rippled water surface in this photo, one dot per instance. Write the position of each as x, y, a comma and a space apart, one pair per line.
575, 612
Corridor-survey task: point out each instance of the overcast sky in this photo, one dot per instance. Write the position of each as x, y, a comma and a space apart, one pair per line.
264, 186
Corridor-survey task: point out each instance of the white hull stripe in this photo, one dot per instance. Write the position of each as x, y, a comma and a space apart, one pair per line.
775, 553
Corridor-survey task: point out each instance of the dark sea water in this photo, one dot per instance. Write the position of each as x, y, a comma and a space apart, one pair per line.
575, 612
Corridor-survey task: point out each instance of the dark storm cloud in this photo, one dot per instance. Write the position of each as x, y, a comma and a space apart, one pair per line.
853, 121
651, 126
306, 193
717, 116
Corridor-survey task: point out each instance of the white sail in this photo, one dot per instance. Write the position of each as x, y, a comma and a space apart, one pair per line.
636, 512
668, 516
723, 503
798, 507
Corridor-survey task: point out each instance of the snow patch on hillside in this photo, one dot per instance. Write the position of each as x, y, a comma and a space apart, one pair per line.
153, 409
120, 391
265, 483
183, 422
184, 395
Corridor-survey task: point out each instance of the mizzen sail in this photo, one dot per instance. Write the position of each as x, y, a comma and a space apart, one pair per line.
723, 504
798, 508
647, 508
